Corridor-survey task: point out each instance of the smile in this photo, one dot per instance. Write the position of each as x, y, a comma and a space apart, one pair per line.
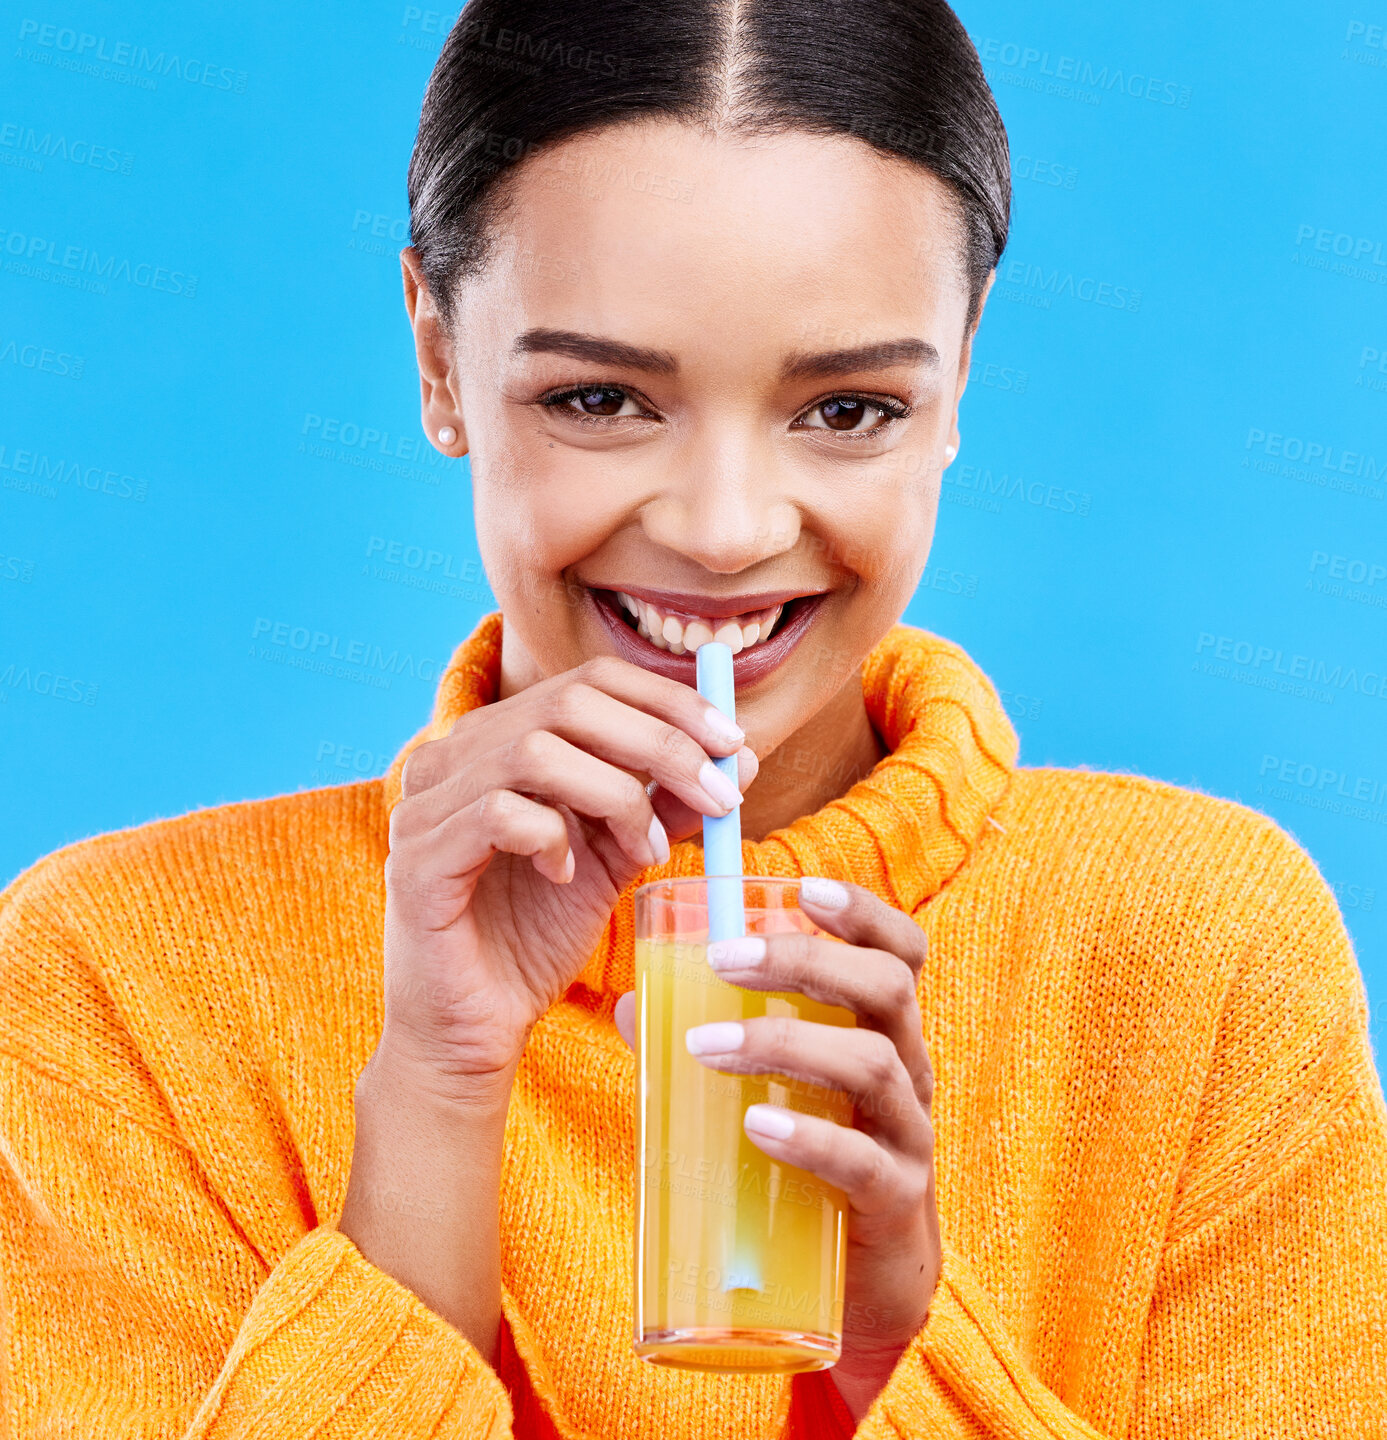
662, 631
670, 630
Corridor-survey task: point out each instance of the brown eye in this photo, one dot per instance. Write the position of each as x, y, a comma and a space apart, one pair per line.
600, 401
594, 402
842, 414
856, 413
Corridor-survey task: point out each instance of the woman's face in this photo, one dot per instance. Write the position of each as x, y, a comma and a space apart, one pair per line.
715, 377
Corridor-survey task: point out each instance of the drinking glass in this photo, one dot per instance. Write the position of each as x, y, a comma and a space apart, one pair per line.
739, 1258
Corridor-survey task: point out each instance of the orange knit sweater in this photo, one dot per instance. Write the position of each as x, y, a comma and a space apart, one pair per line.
1160, 1137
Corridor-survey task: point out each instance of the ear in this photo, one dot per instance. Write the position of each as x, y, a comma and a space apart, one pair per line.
966, 357
439, 404
973, 329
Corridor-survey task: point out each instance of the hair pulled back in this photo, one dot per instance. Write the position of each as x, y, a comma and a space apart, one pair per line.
517, 75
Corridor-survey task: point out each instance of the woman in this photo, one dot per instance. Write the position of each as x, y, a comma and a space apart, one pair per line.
317, 1119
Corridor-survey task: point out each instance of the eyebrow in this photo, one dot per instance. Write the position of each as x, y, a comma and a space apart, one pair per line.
596, 349
880, 355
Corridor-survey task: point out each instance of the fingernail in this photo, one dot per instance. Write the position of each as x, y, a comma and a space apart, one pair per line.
659, 841
818, 891
769, 1120
726, 730
744, 953
719, 1038
718, 786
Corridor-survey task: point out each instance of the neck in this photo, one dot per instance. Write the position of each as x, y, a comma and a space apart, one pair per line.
821, 761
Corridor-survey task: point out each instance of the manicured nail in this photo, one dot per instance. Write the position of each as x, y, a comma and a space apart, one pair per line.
770, 1121
718, 786
720, 726
719, 1038
744, 953
818, 891
659, 841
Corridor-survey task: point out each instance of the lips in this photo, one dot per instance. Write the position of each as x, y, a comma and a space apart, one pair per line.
678, 630
797, 614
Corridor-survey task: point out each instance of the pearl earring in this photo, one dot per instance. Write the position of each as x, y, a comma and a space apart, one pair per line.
447, 435
949, 452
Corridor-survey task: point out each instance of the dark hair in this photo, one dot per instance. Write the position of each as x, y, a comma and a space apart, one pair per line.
901, 75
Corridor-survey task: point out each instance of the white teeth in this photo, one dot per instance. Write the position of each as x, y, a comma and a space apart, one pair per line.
729, 634
696, 633
680, 637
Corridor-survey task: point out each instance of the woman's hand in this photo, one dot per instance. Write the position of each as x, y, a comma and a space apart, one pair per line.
885, 1163
511, 842
513, 839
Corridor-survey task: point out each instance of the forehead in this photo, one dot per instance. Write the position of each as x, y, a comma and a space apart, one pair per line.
663, 214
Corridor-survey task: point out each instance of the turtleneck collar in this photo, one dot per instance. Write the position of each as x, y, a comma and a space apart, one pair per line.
901, 831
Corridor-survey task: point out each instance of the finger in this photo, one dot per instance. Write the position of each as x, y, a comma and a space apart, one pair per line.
651, 745
599, 725
872, 1178
679, 819
863, 1064
666, 699
625, 1017
548, 767
874, 985
861, 918
497, 822
564, 701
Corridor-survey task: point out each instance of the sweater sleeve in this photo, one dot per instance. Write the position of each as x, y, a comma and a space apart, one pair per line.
1266, 1317
133, 1303
1267, 1320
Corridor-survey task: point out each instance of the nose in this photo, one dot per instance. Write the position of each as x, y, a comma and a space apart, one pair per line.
726, 513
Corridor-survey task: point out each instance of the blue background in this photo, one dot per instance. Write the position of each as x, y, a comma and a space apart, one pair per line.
1173, 479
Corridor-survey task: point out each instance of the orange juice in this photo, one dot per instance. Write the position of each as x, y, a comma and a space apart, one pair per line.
739, 1258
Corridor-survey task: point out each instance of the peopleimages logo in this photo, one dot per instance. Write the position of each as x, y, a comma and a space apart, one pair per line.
1337, 252
1330, 242
318, 649
1315, 452
1365, 44
47, 682
85, 52
1348, 578
1058, 73
33, 356
1367, 789
82, 268
1265, 663
1012, 487
1040, 285
1344, 567
1372, 368
39, 474
21, 145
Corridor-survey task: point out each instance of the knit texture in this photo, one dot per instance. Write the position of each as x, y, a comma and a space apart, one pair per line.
1161, 1141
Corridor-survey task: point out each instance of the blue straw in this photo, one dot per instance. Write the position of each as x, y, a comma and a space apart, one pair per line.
722, 871
722, 838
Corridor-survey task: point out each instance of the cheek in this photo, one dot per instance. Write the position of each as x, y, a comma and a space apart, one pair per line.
534, 518
883, 537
